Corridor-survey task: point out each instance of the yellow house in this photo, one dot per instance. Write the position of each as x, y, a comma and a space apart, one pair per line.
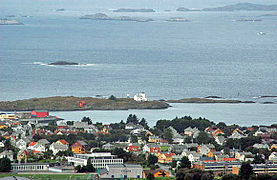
165, 157
3, 126
273, 146
153, 139
210, 154
23, 155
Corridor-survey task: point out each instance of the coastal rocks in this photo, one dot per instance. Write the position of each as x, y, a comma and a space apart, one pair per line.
133, 10
102, 16
63, 63
207, 100
177, 19
9, 22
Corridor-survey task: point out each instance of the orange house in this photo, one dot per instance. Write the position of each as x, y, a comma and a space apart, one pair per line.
157, 173
78, 148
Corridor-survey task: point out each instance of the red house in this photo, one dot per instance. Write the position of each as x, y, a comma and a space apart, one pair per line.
133, 148
155, 149
40, 113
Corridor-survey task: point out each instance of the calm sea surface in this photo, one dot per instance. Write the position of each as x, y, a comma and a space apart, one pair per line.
210, 55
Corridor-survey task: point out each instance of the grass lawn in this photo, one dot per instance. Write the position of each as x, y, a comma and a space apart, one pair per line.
51, 176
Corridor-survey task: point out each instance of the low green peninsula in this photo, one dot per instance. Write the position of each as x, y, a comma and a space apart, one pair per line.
207, 100
71, 103
133, 10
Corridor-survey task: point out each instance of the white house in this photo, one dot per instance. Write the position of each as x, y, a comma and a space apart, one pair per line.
57, 147
2, 144
34, 146
21, 144
140, 97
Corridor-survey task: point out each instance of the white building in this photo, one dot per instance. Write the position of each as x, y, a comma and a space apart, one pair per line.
122, 171
98, 160
140, 97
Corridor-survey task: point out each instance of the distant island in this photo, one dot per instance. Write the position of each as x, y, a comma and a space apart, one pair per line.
10, 22
102, 16
59, 10
186, 9
63, 63
71, 103
244, 7
236, 7
207, 100
133, 10
177, 19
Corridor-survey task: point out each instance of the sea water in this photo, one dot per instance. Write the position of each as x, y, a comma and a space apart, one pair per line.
211, 54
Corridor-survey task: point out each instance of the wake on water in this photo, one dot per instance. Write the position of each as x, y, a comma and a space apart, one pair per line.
79, 65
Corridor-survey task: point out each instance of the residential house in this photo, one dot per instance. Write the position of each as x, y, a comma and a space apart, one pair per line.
176, 137
193, 132
237, 135
220, 140
273, 146
63, 142
157, 173
153, 139
165, 158
21, 144
78, 148
194, 156
134, 148
7, 154
152, 148
2, 145
44, 142
108, 146
22, 156
34, 146
273, 157
57, 147
130, 126
261, 146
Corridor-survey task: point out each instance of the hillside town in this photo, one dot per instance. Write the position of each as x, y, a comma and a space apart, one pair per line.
39, 142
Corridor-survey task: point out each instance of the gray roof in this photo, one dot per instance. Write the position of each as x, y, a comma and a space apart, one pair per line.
124, 166
43, 141
14, 178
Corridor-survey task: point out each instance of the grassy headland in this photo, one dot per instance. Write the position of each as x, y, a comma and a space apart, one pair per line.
70, 103
207, 100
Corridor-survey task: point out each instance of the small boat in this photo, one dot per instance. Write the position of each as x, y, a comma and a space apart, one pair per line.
261, 33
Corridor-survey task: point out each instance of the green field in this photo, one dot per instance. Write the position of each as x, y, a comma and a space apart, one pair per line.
51, 176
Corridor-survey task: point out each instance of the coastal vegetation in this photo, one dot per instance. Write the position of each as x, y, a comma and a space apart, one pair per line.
102, 16
71, 103
207, 100
133, 10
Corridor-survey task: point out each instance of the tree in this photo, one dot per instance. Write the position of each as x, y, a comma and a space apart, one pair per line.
231, 177
246, 170
86, 119
112, 97
258, 159
185, 163
89, 167
134, 139
5, 165
168, 135
152, 159
69, 123
144, 123
150, 176
132, 119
